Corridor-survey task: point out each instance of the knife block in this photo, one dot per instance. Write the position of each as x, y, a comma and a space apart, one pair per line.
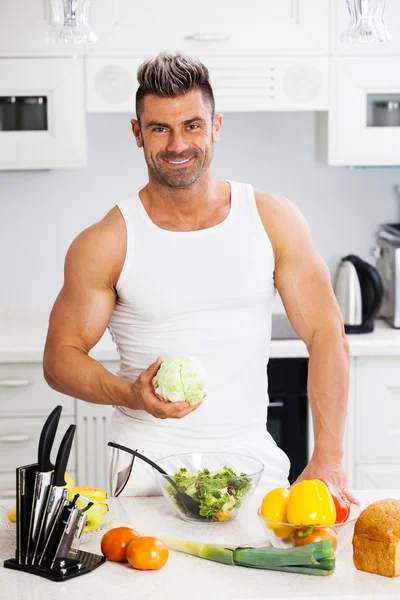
87, 560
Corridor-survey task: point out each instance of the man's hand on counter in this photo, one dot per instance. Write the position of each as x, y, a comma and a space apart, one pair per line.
332, 471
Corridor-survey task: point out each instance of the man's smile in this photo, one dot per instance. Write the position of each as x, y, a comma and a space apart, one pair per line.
180, 163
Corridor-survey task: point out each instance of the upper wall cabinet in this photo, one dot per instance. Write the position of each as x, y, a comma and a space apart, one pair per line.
362, 127
23, 26
226, 26
391, 19
42, 113
239, 83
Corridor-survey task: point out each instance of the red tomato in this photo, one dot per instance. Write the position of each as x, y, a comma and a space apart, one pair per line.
115, 542
317, 535
147, 553
342, 505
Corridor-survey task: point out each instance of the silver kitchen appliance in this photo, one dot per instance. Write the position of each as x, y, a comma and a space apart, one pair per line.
359, 292
387, 252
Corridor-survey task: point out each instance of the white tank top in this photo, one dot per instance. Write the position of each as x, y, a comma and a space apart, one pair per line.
207, 293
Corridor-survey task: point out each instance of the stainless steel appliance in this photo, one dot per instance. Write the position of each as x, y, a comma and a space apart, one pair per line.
359, 292
388, 263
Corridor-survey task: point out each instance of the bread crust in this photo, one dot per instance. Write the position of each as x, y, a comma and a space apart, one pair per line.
376, 538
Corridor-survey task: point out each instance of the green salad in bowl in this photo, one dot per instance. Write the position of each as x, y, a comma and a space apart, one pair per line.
220, 492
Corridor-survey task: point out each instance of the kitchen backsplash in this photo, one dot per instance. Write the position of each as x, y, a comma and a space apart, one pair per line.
42, 211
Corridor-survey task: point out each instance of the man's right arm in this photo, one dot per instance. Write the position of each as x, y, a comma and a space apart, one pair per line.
80, 317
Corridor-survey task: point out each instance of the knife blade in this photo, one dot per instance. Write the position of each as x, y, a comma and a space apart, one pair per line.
61, 512
25, 485
43, 478
57, 491
63, 535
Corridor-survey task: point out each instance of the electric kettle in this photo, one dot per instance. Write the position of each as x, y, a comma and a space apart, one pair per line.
359, 292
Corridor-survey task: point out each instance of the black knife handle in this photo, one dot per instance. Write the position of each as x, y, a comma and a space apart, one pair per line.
63, 456
47, 438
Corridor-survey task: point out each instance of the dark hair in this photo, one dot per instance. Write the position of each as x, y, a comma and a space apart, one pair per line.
169, 75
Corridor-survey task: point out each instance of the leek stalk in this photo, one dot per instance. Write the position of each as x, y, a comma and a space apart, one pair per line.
317, 558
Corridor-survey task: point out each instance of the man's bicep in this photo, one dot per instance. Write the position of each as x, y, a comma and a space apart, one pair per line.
85, 304
303, 281
80, 320
304, 285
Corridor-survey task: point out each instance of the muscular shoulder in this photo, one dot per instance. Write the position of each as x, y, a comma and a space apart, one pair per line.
100, 249
284, 223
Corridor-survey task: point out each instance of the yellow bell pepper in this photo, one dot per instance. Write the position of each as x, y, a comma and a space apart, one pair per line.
274, 507
310, 503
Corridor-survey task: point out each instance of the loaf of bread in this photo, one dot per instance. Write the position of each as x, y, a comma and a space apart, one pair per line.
376, 538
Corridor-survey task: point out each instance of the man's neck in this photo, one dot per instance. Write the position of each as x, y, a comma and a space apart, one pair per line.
185, 209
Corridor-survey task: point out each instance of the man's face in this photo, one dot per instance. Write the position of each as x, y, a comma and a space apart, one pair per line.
177, 136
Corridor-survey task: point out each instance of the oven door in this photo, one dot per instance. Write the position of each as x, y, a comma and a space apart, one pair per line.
287, 423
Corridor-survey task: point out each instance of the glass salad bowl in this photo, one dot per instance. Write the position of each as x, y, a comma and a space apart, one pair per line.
221, 483
286, 535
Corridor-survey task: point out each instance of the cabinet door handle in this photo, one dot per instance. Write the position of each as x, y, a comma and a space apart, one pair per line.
208, 37
297, 16
295, 11
11, 493
13, 383
15, 438
276, 404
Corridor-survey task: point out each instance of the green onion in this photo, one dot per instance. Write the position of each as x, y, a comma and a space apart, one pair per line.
317, 558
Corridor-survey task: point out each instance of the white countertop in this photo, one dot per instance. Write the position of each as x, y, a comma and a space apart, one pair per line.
189, 578
23, 332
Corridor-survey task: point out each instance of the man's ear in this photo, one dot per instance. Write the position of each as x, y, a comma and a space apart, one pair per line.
137, 132
217, 124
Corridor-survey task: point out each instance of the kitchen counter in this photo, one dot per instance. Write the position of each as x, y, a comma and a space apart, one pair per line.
189, 578
23, 332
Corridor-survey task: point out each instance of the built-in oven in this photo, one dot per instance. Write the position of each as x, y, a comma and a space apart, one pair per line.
287, 419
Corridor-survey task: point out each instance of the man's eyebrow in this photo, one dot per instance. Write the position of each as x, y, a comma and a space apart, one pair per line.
159, 124
156, 124
194, 119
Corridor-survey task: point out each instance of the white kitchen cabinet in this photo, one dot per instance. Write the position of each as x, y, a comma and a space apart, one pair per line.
59, 84
391, 19
287, 26
26, 400
23, 27
239, 83
377, 477
24, 391
19, 441
349, 134
378, 411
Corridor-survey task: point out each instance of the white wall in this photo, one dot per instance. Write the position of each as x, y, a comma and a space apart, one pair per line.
42, 211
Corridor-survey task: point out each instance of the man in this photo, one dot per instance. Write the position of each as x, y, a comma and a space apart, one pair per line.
189, 266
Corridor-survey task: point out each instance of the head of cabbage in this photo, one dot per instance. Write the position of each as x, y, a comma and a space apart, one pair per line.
180, 380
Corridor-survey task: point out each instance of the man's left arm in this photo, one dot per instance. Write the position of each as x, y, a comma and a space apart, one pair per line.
303, 282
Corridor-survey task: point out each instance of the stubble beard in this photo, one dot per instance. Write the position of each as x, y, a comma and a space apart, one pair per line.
179, 180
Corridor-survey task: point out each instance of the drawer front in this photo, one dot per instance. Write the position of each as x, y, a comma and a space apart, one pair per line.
378, 410
19, 440
377, 477
8, 484
24, 391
